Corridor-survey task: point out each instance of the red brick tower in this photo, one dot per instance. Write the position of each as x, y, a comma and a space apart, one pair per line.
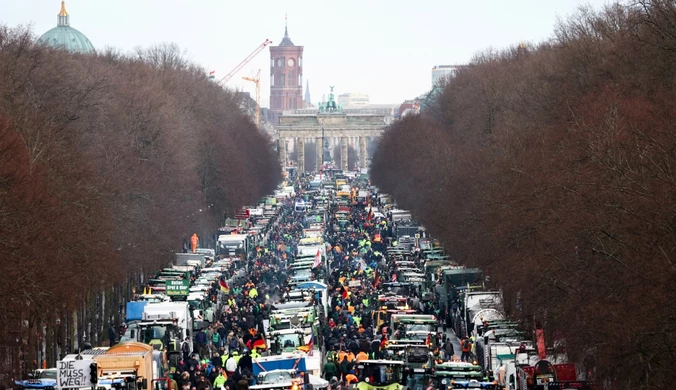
286, 77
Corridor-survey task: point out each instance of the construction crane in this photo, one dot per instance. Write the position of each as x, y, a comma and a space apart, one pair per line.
239, 67
257, 79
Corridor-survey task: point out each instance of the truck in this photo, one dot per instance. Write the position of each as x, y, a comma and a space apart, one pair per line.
282, 371
190, 258
166, 324
479, 306
129, 365
230, 245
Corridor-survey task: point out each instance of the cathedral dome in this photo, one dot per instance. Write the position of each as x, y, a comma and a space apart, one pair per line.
65, 37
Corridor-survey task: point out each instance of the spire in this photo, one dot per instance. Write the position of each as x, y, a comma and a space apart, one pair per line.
63, 9
63, 19
307, 93
286, 26
286, 41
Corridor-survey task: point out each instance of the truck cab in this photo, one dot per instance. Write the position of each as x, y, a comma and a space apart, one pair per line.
381, 374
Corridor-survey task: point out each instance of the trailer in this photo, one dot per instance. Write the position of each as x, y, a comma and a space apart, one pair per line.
129, 365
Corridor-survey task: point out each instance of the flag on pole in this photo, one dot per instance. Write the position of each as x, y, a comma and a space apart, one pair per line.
370, 214
311, 345
318, 259
259, 343
212, 74
224, 287
307, 348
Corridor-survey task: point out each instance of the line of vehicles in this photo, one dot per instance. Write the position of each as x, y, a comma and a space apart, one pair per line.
503, 355
185, 297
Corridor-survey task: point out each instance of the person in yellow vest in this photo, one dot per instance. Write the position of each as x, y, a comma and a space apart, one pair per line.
255, 354
253, 293
220, 379
236, 356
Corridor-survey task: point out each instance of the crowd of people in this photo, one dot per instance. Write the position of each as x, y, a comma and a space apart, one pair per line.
358, 267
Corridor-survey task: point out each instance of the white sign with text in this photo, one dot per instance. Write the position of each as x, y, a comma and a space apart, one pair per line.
72, 374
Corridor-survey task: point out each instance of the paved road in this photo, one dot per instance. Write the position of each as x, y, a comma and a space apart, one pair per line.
450, 334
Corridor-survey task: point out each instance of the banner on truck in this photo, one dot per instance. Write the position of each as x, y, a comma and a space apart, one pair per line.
177, 287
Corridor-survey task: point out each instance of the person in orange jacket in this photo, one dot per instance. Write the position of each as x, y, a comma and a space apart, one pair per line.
341, 355
351, 378
194, 240
362, 356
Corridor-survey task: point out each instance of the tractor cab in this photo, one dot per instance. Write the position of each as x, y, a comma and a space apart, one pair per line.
381, 375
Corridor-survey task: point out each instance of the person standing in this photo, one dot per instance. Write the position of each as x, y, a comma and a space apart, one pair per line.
215, 340
448, 350
200, 343
466, 346
194, 242
112, 336
220, 379
330, 369
185, 349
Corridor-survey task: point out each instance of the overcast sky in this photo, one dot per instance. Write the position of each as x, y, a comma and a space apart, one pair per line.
384, 48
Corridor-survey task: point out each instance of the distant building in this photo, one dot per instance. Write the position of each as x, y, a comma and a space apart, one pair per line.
307, 102
353, 99
442, 72
63, 36
286, 77
373, 109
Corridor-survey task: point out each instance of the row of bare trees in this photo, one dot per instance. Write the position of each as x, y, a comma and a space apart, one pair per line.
107, 162
551, 166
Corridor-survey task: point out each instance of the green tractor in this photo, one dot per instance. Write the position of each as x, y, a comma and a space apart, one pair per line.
446, 374
381, 375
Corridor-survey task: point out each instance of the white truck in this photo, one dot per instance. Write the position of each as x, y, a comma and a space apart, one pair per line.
480, 306
166, 324
231, 245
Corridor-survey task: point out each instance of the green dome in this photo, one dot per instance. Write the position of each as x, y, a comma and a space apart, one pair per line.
65, 37
68, 38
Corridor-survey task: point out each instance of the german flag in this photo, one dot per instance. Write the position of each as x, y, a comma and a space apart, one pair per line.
309, 347
370, 214
259, 343
345, 292
224, 287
